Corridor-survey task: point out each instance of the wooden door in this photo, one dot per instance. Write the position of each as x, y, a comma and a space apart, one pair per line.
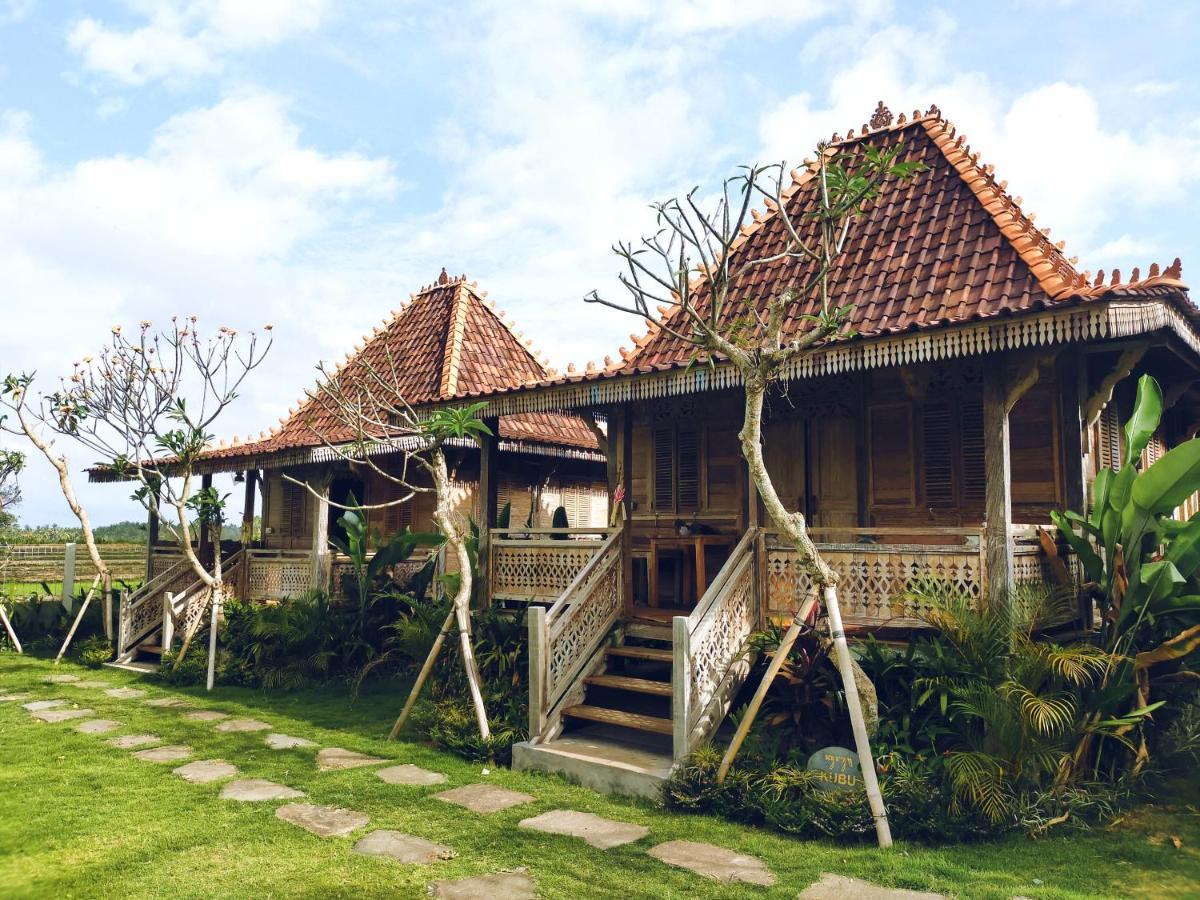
833, 443
783, 452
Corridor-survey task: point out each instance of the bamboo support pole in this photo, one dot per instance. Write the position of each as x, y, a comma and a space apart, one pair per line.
78, 618
212, 638
447, 627
857, 723
12, 634
777, 660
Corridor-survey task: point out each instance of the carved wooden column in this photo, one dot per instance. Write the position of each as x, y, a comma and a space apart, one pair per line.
207, 555
247, 531
489, 477
320, 546
997, 539
151, 532
1072, 394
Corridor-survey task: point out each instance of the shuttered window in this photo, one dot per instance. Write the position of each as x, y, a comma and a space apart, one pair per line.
397, 517
1110, 438
676, 469
892, 455
937, 454
974, 477
293, 507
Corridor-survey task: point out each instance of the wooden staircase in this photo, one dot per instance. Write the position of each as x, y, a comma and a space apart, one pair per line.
634, 690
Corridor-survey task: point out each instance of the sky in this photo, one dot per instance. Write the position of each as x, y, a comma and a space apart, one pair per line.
309, 164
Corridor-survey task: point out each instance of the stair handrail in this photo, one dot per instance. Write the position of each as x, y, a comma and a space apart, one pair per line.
728, 613
563, 638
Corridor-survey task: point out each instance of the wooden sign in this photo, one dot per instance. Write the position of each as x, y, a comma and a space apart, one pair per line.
837, 769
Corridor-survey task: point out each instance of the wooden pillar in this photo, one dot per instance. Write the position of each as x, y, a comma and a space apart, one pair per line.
489, 477
247, 532
625, 517
997, 538
320, 546
68, 585
151, 532
1072, 395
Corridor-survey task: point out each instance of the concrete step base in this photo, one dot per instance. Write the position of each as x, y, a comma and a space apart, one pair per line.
602, 765
144, 668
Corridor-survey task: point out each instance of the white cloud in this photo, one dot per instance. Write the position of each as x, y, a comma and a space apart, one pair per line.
13, 11
1154, 88
210, 219
186, 38
1076, 171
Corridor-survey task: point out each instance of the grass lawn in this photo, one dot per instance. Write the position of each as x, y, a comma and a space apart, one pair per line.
79, 818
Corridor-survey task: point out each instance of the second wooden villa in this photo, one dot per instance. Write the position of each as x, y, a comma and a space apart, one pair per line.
984, 386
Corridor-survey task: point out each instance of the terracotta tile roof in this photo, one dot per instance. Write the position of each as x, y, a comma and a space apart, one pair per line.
945, 246
447, 341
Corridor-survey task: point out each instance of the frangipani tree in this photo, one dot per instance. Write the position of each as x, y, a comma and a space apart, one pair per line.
147, 405
365, 412
684, 278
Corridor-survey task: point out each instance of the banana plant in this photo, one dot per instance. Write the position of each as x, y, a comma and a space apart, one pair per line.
1143, 565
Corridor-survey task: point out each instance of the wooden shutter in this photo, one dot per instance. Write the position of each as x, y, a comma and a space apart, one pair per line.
687, 473
937, 454
974, 478
664, 469
292, 498
1110, 437
397, 517
891, 455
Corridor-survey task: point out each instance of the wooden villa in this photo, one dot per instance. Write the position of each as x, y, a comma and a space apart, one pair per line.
983, 385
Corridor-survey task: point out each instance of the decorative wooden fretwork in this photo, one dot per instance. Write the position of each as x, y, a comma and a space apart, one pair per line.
275, 574
582, 617
142, 611
537, 569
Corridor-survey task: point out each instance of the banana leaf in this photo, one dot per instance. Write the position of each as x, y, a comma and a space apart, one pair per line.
1150, 584
1147, 412
1093, 567
1184, 549
1170, 481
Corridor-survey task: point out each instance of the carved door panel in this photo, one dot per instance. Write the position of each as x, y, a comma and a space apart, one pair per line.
833, 442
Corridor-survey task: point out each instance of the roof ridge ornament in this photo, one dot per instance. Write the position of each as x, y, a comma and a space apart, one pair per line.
443, 278
882, 117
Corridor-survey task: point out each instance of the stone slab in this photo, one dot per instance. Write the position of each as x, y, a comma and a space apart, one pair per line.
287, 742
125, 693
206, 715
60, 679
254, 790
243, 725
165, 702
514, 885
131, 741
97, 726
92, 685
9, 698
484, 798
336, 758
323, 821
206, 771
169, 753
62, 715
403, 848
714, 862
38, 705
599, 832
839, 887
407, 774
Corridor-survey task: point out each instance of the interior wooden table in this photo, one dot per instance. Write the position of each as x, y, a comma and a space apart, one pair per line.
698, 543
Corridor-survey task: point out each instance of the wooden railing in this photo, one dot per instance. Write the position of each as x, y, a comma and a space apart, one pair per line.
538, 564
276, 574
141, 612
710, 659
565, 638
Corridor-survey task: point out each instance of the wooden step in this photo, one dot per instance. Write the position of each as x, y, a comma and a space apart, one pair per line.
626, 683
649, 632
640, 653
619, 717
153, 649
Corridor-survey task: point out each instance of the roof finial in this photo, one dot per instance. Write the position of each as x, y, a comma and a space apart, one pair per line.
443, 278
882, 117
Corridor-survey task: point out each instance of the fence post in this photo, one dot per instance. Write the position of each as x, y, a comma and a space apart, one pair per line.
168, 627
681, 684
68, 588
122, 624
538, 640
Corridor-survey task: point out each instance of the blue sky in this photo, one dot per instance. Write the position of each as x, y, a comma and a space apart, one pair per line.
310, 163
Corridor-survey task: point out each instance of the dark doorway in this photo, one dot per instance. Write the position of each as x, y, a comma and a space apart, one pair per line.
344, 491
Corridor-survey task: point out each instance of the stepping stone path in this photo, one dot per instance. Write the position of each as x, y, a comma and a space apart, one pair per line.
243, 725
839, 887
254, 790
410, 775
206, 771
715, 862
323, 821
131, 741
62, 715
206, 715
600, 833
60, 679
403, 848
169, 753
484, 798
9, 698
336, 758
124, 693
161, 702
92, 685
287, 742
515, 885
97, 726
43, 704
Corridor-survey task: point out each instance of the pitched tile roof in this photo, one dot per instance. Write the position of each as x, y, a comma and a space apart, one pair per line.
447, 341
945, 246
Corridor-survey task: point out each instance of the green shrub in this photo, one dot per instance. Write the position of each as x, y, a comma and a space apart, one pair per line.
94, 652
